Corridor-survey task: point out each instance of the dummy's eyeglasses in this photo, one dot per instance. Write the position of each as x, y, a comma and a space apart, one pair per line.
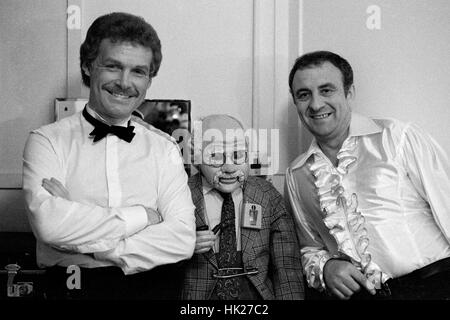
218, 158
225, 273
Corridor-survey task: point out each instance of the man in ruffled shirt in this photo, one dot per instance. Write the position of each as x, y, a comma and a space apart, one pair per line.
370, 196
107, 194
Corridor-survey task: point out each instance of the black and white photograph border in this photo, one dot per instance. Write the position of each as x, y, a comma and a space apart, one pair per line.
221, 56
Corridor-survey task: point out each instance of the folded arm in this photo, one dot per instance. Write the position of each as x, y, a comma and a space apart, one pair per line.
62, 222
167, 242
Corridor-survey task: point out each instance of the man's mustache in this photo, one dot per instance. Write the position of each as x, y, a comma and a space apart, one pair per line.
119, 90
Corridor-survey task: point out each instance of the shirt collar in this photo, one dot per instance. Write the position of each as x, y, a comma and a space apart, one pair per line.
93, 113
359, 126
362, 126
138, 113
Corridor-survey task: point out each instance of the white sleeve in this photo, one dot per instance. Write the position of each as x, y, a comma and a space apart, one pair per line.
65, 224
428, 167
312, 249
170, 241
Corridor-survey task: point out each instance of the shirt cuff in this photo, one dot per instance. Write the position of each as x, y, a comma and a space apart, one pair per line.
135, 219
315, 275
323, 261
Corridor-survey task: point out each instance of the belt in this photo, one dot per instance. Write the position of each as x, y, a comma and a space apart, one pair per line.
419, 284
412, 285
417, 276
428, 271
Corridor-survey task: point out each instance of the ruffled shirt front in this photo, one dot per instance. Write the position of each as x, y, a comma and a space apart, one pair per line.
384, 207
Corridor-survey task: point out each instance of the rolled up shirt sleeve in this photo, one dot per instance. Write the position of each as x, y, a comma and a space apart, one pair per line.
170, 241
67, 224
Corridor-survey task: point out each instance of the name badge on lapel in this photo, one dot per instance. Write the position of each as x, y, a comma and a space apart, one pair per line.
252, 216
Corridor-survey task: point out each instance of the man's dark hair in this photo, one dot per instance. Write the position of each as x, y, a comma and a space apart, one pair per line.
119, 27
317, 58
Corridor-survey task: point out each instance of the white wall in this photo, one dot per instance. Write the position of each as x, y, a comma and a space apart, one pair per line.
401, 70
32, 74
32, 47
207, 50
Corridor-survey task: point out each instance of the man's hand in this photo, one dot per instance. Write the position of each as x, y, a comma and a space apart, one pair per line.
205, 241
55, 188
153, 217
343, 279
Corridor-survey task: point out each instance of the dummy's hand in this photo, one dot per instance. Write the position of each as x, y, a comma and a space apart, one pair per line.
55, 188
205, 241
343, 279
153, 217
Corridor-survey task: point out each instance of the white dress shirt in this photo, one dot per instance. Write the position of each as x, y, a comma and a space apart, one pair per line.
110, 182
213, 210
400, 179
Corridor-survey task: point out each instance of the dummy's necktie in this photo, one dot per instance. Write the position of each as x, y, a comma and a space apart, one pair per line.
101, 129
227, 257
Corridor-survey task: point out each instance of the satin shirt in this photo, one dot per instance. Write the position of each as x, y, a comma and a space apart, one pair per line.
401, 179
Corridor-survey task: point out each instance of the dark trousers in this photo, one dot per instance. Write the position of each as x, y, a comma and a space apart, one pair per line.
106, 283
431, 282
436, 287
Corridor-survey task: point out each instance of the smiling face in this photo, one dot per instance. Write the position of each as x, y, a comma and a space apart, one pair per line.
322, 105
225, 161
119, 79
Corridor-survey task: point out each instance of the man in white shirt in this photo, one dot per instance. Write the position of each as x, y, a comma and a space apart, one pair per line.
370, 196
105, 191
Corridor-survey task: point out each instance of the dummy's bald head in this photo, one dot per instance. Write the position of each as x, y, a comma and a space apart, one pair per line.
222, 129
223, 154
221, 122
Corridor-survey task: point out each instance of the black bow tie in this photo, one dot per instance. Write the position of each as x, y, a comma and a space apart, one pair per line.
102, 129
